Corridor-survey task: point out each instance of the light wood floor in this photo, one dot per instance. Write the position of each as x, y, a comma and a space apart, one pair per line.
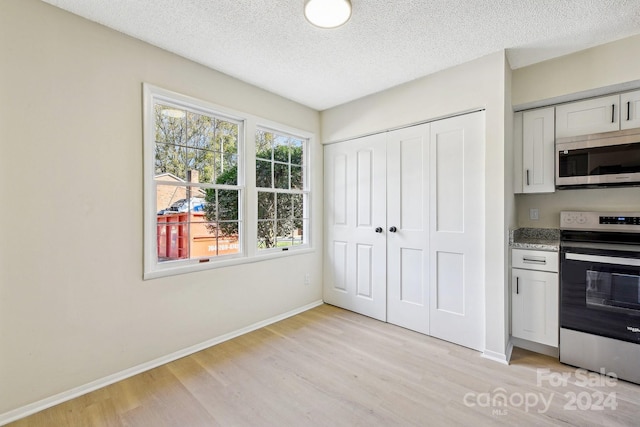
331, 367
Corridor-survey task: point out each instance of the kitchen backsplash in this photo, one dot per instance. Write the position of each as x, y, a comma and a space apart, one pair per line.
550, 205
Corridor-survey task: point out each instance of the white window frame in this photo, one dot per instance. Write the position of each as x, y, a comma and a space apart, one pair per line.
248, 210
306, 189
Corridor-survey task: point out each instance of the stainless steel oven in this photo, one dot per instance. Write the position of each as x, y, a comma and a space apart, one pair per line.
600, 292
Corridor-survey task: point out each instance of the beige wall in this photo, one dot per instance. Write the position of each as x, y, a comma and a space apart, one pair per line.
609, 64
478, 84
614, 64
550, 205
73, 305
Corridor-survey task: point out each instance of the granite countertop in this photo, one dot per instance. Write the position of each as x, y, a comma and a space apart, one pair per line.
542, 239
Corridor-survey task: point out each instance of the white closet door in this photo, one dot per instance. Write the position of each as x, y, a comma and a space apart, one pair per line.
457, 230
408, 212
355, 205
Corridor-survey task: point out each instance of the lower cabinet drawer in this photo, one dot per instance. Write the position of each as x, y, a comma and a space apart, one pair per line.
534, 260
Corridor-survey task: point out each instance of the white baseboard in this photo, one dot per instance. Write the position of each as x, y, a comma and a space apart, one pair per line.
499, 357
56, 399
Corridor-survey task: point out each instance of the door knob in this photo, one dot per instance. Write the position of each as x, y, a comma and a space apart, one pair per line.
378, 229
393, 229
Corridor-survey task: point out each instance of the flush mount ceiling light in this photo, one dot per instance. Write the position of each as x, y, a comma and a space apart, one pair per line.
327, 13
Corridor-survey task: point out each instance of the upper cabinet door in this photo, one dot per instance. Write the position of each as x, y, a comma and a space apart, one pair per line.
630, 110
538, 151
517, 153
585, 117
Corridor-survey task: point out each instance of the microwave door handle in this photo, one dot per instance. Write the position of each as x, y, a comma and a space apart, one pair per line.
603, 259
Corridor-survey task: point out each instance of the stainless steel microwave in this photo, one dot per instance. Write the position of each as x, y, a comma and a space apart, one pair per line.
605, 159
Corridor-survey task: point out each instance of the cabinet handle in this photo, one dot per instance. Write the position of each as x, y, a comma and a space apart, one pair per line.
393, 229
528, 177
613, 113
378, 229
540, 260
628, 110
517, 285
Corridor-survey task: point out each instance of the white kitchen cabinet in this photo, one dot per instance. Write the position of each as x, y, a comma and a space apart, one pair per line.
630, 110
598, 115
534, 151
595, 115
534, 297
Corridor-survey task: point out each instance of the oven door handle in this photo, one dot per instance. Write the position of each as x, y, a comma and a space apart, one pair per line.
603, 259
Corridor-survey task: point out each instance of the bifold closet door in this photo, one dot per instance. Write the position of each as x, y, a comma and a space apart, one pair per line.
457, 230
355, 210
408, 228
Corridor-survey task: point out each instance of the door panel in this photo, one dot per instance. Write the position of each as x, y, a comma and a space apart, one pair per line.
411, 273
408, 210
450, 282
450, 173
364, 259
457, 230
355, 257
339, 265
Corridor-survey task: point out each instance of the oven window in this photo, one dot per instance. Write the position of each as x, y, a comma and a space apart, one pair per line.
618, 292
613, 159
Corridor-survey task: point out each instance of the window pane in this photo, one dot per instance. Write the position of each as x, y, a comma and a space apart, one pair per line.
297, 152
226, 140
203, 238
172, 236
281, 175
171, 125
296, 178
228, 241
281, 149
201, 165
266, 234
266, 205
284, 233
210, 207
229, 172
228, 205
169, 197
263, 145
298, 230
171, 159
200, 131
284, 206
298, 207
263, 174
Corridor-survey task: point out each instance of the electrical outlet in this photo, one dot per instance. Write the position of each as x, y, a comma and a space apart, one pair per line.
534, 214
307, 279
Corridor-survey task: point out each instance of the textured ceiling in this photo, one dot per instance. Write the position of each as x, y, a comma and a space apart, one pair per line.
269, 44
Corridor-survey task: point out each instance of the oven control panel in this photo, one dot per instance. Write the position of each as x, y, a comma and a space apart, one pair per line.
596, 221
631, 220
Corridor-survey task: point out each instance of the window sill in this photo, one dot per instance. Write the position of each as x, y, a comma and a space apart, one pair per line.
195, 266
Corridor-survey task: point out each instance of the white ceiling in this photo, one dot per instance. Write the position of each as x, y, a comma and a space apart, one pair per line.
269, 44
